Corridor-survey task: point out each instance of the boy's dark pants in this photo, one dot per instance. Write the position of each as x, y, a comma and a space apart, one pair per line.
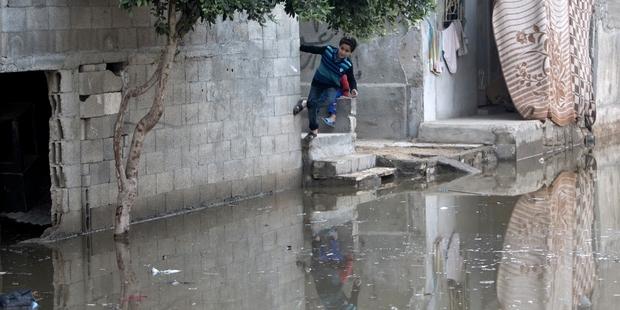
317, 98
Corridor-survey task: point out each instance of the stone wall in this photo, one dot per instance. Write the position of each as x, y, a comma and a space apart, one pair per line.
606, 45
226, 132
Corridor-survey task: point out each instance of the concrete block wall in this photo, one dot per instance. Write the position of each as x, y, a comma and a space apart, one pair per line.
233, 257
227, 130
606, 45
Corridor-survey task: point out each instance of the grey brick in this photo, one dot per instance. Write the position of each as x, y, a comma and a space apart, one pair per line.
222, 151
102, 17
267, 145
13, 19
70, 152
127, 38
100, 173
198, 134
197, 92
81, 17
253, 146
147, 185
215, 132
92, 151
164, 183
120, 17
206, 154
238, 147
200, 175
100, 105
37, 18
99, 127
216, 172
191, 113
59, 18
154, 162
93, 83
281, 144
182, 178
141, 17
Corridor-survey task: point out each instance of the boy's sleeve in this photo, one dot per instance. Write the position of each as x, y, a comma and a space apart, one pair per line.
351, 78
312, 49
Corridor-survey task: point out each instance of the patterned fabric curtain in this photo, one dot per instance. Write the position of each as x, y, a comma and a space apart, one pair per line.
544, 51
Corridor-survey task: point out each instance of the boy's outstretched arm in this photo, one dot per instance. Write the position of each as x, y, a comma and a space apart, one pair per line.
312, 49
352, 81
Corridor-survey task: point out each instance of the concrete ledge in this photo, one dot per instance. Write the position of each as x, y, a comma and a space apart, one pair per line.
513, 139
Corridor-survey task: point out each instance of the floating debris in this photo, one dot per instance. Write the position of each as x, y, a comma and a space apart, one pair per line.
155, 271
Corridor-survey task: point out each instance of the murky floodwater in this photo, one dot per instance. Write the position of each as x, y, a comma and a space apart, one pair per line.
531, 236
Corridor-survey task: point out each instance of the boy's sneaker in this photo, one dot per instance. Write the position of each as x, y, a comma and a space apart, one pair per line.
298, 107
311, 135
328, 121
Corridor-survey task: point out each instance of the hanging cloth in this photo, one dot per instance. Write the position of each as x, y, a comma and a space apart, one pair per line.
451, 44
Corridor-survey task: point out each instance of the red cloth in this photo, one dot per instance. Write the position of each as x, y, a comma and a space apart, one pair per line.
344, 84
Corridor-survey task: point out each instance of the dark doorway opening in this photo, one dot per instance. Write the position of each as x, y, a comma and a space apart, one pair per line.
25, 199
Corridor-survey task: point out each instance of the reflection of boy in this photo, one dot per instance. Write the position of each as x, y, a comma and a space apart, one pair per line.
335, 63
331, 270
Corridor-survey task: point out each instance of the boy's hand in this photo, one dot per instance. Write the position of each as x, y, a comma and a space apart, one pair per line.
354, 93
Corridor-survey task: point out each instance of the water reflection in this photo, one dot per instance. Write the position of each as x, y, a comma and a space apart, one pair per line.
543, 238
548, 260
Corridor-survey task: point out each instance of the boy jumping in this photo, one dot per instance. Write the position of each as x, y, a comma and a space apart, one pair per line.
335, 62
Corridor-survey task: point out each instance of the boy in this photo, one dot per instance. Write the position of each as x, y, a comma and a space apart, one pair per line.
335, 62
331, 109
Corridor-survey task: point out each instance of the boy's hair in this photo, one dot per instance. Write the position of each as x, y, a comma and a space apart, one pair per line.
350, 41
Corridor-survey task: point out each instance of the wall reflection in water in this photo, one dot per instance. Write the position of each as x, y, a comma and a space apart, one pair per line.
531, 237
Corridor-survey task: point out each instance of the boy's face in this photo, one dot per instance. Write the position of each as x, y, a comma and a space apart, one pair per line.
344, 51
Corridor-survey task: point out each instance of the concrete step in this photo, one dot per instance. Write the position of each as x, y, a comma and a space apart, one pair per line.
366, 179
513, 138
345, 117
327, 145
331, 167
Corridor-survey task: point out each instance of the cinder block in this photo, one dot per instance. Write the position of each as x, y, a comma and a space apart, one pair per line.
81, 17
13, 19
100, 105
37, 18
267, 145
59, 18
182, 178
70, 153
99, 127
154, 162
102, 17
165, 182
100, 173
92, 151
147, 185
93, 83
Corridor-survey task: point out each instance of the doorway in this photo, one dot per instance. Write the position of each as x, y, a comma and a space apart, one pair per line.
25, 111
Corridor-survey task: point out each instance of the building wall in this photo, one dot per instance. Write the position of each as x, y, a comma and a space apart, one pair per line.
456, 95
226, 132
606, 45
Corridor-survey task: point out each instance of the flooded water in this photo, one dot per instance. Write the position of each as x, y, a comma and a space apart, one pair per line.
539, 235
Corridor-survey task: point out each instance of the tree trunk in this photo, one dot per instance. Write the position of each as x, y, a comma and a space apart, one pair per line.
127, 175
